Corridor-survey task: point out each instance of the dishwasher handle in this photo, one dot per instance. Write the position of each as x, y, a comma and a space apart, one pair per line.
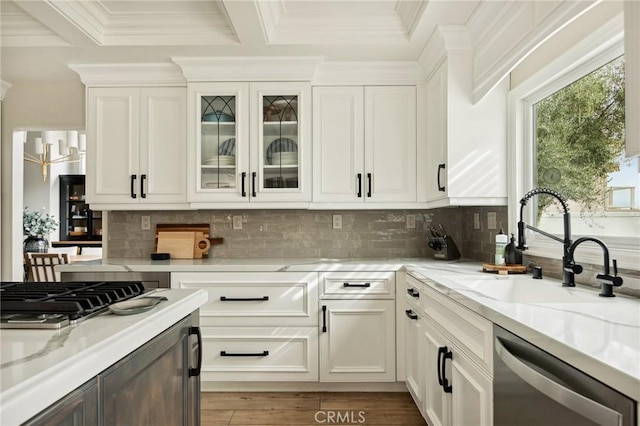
586, 407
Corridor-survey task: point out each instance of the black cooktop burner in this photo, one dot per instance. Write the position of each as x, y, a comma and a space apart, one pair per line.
73, 300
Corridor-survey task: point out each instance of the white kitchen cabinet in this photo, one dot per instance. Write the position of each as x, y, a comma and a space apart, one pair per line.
136, 147
466, 143
250, 143
364, 141
357, 341
455, 353
357, 326
413, 332
257, 326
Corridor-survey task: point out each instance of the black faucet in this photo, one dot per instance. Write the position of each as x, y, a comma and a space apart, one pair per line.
568, 278
607, 282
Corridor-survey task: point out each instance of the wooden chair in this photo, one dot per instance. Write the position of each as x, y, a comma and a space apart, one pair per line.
41, 266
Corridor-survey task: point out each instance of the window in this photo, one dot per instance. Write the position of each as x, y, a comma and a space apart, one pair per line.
579, 152
560, 141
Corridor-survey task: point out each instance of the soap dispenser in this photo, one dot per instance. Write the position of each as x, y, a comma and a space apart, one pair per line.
501, 242
511, 255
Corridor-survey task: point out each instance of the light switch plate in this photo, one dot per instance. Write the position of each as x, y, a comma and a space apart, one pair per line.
337, 221
491, 220
476, 221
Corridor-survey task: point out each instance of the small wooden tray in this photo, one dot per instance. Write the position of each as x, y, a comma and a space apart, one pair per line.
504, 269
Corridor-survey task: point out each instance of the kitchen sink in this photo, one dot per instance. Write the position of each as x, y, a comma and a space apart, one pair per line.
520, 289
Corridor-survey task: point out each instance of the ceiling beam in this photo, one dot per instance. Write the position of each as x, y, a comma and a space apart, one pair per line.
65, 27
245, 21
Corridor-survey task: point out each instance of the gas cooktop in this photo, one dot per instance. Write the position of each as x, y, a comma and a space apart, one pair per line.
57, 304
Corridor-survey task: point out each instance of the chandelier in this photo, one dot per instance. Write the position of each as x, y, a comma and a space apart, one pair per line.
72, 150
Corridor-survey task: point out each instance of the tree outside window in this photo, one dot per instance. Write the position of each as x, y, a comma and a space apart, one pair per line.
580, 153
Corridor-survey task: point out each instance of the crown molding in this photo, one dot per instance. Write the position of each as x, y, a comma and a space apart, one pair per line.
245, 68
363, 73
19, 29
410, 13
4, 87
129, 74
446, 40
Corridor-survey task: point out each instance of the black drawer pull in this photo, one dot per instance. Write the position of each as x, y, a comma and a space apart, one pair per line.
253, 184
440, 168
411, 315
369, 185
133, 185
356, 285
263, 353
446, 387
359, 177
413, 292
243, 299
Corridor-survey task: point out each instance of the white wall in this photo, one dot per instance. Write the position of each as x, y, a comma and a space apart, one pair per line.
30, 106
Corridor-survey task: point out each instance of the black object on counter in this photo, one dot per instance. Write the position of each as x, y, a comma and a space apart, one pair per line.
511, 255
160, 256
537, 272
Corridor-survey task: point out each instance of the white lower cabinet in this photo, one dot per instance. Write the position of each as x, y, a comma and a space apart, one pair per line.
357, 327
257, 326
454, 386
357, 341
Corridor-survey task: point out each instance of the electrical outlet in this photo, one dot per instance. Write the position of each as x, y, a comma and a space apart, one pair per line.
476, 221
411, 221
491, 220
145, 223
237, 222
337, 221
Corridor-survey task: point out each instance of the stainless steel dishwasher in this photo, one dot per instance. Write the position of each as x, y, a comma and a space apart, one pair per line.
532, 387
149, 279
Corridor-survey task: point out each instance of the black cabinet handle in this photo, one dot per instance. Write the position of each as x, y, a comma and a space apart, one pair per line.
244, 177
195, 372
359, 177
253, 182
142, 179
324, 318
411, 315
413, 292
225, 353
439, 368
440, 168
133, 186
369, 185
446, 387
244, 299
356, 285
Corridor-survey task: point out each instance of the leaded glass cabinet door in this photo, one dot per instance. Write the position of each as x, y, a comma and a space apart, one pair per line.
281, 156
221, 150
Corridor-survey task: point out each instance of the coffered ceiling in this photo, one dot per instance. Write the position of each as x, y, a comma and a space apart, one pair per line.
40, 37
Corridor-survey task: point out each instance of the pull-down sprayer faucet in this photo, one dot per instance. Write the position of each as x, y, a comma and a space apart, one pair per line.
569, 267
567, 275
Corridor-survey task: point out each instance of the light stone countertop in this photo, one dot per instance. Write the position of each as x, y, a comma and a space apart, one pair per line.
38, 367
601, 338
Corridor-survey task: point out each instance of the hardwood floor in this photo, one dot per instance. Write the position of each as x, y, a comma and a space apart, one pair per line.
309, 408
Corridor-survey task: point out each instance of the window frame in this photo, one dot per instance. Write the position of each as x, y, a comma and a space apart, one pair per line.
601, 47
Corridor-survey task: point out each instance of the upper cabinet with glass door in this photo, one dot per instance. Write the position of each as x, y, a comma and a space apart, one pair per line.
281, 155
221, 136
254, 151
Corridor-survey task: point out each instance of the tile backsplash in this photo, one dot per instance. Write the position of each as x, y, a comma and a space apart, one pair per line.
310, 233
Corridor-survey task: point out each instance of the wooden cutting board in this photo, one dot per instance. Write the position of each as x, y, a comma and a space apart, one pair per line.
179, 244
504, 269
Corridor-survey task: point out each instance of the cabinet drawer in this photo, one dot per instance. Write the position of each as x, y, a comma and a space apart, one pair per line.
358, 285
470, 332
265, 299
259, 353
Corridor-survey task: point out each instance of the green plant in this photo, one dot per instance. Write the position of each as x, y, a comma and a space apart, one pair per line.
37, 223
